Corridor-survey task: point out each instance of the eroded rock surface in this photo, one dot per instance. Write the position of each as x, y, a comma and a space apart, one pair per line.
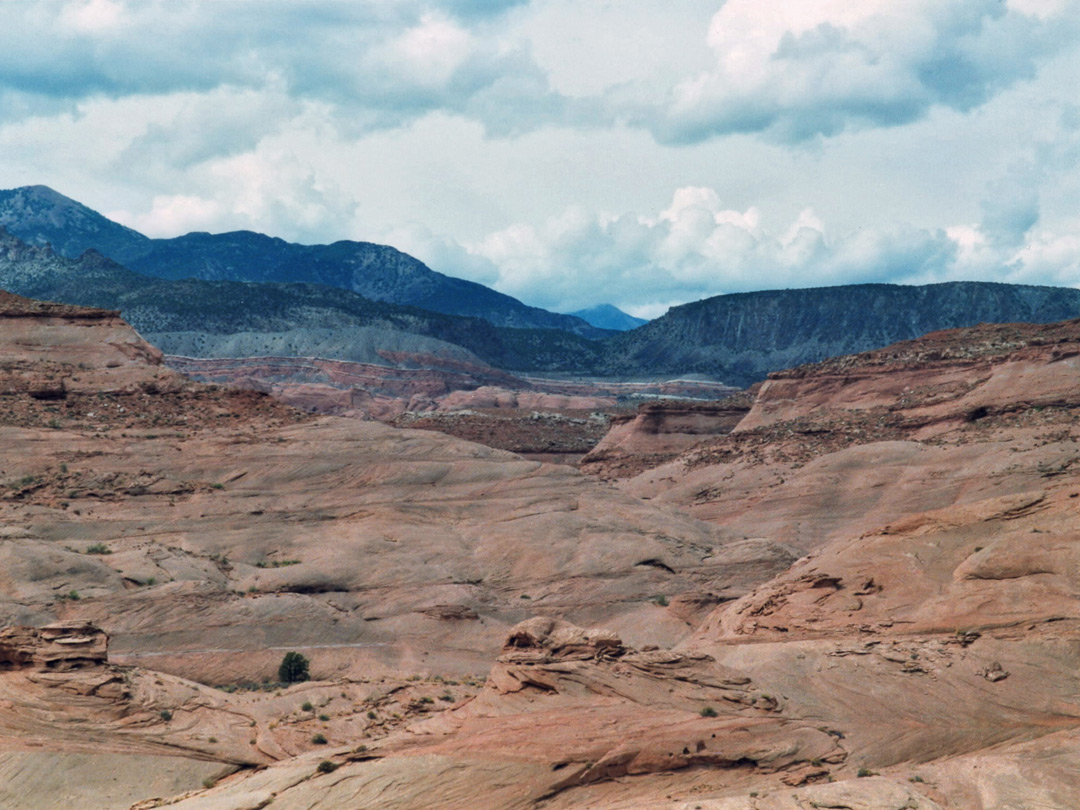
865, 595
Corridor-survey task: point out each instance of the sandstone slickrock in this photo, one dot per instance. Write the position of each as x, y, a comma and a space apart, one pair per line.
865, 595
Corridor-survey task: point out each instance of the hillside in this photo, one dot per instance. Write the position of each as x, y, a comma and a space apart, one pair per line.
39, 215
742, 337
853, 587
195, 316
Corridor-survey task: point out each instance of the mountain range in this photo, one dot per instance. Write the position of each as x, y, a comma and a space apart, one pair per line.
244, 293
231, 318
744, 336
39, 215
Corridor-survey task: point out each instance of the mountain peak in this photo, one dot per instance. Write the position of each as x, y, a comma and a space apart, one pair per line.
40, 215
608, 316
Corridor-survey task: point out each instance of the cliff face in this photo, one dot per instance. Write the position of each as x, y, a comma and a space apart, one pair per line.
662, 431
744, 336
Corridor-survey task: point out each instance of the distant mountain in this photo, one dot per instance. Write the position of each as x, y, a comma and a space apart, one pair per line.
194, 316
39, 215
351, 286
606, 316
741, 337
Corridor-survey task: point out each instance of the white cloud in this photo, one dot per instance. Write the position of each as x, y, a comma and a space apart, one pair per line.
92, 16
513, 142
820, 67
697, 248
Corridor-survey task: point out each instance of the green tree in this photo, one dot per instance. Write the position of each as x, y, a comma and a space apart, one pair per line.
294, 668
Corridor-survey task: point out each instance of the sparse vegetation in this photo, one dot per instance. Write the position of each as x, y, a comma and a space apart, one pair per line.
98, 548
326, 766
319, 739
325, 718
864, 772
660, 600
294, 669
165, 715
276, 563
708, 711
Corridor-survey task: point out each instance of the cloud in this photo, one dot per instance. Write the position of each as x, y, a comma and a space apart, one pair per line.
1011, 206
268, 190
696, 247
379, 63
825, 66
795, 72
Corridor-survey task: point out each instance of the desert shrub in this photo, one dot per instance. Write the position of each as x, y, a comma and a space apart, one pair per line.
326, 766
294, 668
98, 548
319, 739
708, 711
165, 715
306, 706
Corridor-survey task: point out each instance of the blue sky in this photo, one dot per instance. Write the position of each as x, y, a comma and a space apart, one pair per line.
640, 152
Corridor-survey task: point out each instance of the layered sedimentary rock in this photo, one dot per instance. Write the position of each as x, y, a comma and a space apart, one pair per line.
58, 646
864, 595
661, 431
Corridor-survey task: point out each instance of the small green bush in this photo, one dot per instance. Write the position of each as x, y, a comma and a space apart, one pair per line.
306, 706
326, 766
319, 739
165, 715
708, 711
324, 717
98, 548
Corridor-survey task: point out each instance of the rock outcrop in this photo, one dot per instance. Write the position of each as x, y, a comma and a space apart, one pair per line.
661, 431
57, 646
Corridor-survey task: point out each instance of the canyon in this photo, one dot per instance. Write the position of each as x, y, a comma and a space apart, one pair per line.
852, 585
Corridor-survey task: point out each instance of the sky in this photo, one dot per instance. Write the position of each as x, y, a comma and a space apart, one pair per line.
643, 153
